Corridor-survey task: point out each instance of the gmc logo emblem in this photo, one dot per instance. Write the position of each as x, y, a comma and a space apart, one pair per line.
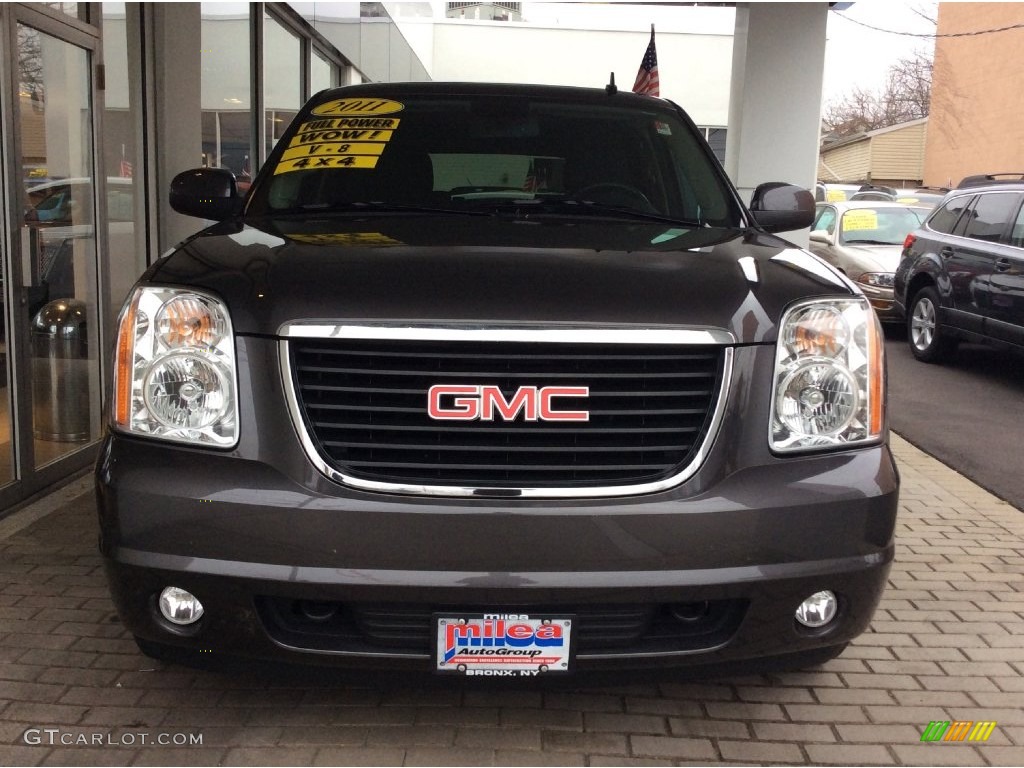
456, 402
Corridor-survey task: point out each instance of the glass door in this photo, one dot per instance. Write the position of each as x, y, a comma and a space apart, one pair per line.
58, 239
50, 412
7, 431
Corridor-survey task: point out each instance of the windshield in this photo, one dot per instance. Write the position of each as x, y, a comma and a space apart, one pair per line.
491, 152
879, 226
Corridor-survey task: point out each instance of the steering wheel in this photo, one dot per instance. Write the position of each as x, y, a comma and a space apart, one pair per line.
614, 193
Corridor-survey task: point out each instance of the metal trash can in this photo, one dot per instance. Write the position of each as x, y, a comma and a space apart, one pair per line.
60, 372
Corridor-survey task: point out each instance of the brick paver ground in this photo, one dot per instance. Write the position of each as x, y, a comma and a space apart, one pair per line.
947, 644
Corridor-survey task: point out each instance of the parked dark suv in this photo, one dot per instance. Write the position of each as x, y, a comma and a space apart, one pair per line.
499, 381
961, 275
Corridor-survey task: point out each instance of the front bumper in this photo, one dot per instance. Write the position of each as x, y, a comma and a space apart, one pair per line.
883, 302
258, 535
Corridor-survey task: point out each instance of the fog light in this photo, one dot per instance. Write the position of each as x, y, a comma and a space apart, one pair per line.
818, 609
179, 606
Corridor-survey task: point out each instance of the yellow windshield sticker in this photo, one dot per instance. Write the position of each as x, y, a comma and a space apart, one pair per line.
907, 200
860, 220
351, 123
336, 161
835, 195
346, 238
322, 150
358, 107
355, 139
321, 137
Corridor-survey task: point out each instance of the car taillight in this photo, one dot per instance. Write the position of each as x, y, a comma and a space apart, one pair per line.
174, 373
908, 241
829, 385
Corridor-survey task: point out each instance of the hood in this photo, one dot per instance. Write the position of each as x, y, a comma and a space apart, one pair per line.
875, 258
486, 270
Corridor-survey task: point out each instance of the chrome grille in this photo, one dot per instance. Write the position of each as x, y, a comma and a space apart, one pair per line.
363, 405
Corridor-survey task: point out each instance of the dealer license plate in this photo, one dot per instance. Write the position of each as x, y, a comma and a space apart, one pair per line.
502, 644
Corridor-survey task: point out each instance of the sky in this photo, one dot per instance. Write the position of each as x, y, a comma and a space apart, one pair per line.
858, 56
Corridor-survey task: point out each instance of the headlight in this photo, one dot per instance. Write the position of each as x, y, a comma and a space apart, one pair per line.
175, 368
829, 387
877, 279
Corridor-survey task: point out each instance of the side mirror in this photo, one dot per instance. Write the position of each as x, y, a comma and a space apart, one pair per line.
779, 207
821, 236
208, 193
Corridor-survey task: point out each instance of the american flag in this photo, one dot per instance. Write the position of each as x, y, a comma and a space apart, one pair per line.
530, 185
647, 76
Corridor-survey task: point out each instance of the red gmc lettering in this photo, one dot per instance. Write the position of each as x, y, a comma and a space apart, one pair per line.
454, 402
460, 408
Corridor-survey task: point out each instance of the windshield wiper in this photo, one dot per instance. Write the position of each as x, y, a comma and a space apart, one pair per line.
574, 206
871, 242
376, 206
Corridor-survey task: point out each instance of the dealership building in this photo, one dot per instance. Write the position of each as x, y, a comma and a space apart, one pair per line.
103, 103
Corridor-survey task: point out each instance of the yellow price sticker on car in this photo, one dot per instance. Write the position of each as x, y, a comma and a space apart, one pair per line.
326, 150
860, 220
358, 107
324, 137
320, 163
350, 123
835, 195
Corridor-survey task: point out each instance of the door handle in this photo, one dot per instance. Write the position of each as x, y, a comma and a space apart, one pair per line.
946, 253
1003, 265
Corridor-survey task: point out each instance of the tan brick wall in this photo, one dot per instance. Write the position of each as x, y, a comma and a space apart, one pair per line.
977, 110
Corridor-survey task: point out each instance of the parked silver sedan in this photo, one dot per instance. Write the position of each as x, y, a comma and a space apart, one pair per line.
864, 239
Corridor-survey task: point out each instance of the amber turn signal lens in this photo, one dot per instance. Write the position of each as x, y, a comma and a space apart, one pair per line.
876, 381
123, 365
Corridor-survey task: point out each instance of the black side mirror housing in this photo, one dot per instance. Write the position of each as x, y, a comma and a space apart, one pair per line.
207, 193
779, 207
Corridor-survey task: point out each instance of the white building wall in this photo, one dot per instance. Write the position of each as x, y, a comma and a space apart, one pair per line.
775, 118
695, 69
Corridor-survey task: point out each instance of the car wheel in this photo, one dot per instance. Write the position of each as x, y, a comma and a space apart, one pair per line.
928, 342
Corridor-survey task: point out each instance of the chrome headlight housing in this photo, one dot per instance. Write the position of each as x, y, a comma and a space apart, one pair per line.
174, 373
829, 376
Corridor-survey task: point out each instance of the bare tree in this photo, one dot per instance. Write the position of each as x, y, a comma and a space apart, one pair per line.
904, 96
30, 64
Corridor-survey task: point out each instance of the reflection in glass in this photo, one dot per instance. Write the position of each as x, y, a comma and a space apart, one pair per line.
59, 243
226, 77
282, 78
74, 10
322, 74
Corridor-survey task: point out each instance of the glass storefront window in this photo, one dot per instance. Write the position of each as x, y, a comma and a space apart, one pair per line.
282, 78
74, 10
226, 83
322, 74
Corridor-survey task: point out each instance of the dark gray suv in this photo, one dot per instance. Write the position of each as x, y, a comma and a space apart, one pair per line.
496, 381
961, 275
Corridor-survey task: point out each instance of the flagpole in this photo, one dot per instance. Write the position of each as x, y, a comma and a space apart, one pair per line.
647, 76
